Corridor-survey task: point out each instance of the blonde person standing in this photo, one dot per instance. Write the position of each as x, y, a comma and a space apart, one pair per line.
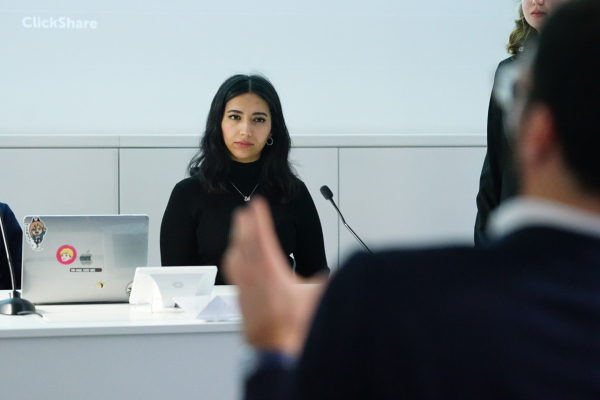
498, 178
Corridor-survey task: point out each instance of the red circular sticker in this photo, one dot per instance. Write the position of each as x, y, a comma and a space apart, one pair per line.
66, 254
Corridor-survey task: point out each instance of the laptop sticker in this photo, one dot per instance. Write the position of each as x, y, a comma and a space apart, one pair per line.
35, 232
66, 254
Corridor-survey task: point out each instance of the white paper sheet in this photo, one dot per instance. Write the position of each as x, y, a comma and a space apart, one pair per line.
210, 308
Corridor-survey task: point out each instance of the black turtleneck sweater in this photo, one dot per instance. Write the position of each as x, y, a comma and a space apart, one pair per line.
195, 226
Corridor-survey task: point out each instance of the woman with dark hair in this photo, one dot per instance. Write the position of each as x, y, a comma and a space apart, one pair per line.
498, 179
244, 152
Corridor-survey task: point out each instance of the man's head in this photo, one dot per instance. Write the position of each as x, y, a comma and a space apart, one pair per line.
560, 127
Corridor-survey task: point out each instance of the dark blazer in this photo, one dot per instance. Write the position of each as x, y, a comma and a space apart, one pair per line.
498, 178
517, 319
14, 236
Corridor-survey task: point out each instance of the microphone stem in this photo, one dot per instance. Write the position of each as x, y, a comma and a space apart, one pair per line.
350, 229
357, 238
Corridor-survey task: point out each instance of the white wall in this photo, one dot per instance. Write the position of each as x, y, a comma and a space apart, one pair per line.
60, 180
341, 67
403, 191
147, 178
406, 196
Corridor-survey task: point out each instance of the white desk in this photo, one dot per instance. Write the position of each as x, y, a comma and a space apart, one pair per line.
113, 351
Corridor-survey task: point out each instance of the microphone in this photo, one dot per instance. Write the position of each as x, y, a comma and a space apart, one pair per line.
328, 195
14, 305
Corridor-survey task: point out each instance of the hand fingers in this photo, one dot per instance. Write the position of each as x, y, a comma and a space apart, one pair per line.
254, 251
276, 262
264, 223
236, 252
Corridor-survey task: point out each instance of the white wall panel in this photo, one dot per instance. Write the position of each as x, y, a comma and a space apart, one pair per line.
388, 195
318, 167
147, 178
408, 196
59, 181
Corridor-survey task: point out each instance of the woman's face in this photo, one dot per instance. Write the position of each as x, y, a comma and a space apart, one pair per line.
536, 11
246, 127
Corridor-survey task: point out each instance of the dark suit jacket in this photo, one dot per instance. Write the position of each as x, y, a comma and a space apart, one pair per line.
14, 237
517, 319
498, 178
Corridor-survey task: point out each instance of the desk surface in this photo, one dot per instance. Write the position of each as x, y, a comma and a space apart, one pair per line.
107, 319
113, 351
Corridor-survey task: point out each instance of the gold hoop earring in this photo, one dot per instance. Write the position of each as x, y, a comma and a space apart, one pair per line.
271, 139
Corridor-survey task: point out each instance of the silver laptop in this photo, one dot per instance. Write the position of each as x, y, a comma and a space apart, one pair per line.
82, 259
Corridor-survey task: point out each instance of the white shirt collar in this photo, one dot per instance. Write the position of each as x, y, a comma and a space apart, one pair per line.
522, 212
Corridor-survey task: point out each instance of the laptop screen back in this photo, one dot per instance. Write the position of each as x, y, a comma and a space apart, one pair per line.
82, 259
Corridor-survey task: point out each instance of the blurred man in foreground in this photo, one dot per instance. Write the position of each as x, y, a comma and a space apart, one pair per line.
517, 319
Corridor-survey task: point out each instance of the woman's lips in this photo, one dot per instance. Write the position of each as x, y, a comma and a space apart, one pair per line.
243, 145
538, 14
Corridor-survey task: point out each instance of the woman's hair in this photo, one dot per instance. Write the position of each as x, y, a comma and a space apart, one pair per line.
520, 35
212, 162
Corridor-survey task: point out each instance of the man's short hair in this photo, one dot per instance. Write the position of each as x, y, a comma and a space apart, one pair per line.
566, 78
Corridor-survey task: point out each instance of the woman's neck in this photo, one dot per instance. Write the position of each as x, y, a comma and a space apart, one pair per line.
245, 171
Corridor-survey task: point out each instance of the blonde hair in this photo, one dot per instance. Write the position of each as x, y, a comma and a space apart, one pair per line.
35, 224
520, 35
66, 251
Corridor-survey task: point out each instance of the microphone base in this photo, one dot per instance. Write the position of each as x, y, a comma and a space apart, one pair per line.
16, 305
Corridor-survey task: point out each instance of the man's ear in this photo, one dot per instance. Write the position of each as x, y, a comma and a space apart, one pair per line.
537, 140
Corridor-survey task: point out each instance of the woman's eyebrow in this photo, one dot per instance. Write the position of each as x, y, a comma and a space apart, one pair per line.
254, 113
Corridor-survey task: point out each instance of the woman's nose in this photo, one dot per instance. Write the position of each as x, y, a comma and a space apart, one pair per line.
246, 128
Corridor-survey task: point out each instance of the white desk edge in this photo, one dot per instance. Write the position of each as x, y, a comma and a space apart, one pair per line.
97, 319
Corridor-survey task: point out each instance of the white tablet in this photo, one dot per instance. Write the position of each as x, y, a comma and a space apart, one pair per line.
158, 285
